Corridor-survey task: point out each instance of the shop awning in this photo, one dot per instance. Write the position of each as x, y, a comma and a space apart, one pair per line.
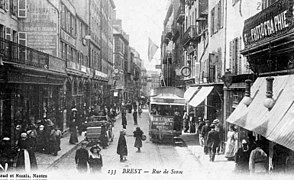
201, 95
276, 124
190, 92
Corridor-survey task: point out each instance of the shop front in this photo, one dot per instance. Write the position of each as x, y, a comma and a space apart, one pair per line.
266, 111
27, 95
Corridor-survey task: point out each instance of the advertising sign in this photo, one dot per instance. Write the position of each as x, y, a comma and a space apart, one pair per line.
162, 123
41, 26
272, 22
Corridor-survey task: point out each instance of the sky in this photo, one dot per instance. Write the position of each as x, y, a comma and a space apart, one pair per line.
142, 19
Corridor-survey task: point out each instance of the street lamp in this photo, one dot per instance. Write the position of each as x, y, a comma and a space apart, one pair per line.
247, 99
269, 101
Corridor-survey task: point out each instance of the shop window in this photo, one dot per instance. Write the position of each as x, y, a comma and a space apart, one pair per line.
22, 8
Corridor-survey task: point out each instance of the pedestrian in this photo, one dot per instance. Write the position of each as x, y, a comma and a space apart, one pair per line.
139, 111
26, 159
122, 149
219, 129
192, 122
82, 158
242, 158
177, 121
58, 138
186, 122
73, 127
204, 132
200, 125
95, 159
53, 144
135, 116
232, 139
138, 134
7, 155
212, 142
124, 119
41, 139
258, 160
103, 137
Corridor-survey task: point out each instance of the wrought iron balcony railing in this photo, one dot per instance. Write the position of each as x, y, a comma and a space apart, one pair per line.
191, 33
16, 53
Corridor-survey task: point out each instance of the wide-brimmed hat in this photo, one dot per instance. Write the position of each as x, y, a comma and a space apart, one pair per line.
74, 109
95, 147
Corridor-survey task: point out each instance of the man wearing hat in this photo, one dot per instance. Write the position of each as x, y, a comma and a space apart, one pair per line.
204, 132
242, 158
212, 142
82, 158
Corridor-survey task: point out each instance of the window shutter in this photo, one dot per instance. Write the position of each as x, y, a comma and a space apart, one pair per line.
222, 13
6, 5
212, 22
22, 8
22, 38
239, 56
231, 56
9, 34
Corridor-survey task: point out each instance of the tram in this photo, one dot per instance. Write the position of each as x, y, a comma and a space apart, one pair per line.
164, 102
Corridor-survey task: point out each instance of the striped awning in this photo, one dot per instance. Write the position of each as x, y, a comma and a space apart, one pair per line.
275, 124
190, 92
200, 96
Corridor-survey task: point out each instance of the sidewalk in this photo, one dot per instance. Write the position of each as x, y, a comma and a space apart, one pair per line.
221, 164
45, 161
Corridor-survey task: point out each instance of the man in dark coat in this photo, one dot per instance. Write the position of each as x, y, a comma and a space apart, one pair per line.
122, 149
135, 115
204, 132
124, 118
212, 142
82, 158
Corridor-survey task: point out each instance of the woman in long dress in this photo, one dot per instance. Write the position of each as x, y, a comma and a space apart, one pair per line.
95, 160
122, 149
138, 134
232, 140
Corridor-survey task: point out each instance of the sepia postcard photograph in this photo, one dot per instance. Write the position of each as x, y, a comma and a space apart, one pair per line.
146, 89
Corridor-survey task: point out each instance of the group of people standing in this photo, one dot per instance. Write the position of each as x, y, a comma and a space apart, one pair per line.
122, 149
137, 110
83, 158
42, 137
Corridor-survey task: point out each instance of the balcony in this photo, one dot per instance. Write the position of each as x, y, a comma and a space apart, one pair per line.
191, 34
180, 17
12, 52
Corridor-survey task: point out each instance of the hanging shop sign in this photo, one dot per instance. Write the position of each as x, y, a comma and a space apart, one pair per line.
274, 21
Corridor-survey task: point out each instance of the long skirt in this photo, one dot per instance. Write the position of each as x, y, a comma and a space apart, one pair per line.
230, 149
73, 136
138, 143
